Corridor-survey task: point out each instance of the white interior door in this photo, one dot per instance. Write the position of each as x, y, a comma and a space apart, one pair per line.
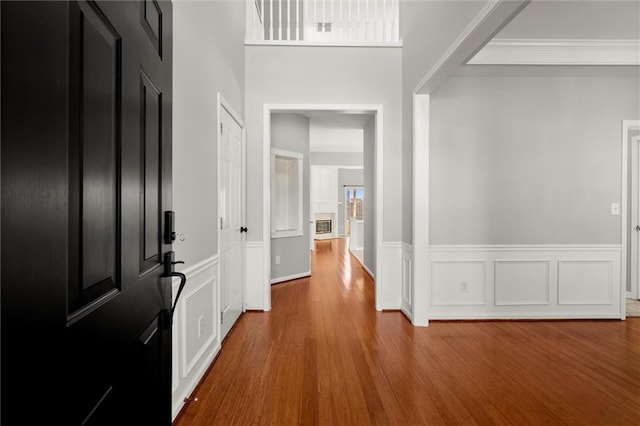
635, 218
230, 205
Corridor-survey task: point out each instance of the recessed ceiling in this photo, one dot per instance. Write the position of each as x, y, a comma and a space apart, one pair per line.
578, 19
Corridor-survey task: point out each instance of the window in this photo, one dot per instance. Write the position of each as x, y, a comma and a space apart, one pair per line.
286, 193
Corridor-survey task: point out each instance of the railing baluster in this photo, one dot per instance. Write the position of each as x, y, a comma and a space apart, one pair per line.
396, 35
279, 19
298, 37
366, 21
341, 22
288, 19
331, 18
350, 21
358, 22
384, 20
324, 19
271, 20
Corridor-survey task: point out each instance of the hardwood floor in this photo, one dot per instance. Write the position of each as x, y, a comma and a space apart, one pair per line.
324, 356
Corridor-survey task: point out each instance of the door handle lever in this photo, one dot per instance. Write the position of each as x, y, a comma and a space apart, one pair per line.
243, 229
170, 272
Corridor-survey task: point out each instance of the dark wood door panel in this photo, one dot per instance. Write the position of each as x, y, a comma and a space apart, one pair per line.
86, 176
95, 120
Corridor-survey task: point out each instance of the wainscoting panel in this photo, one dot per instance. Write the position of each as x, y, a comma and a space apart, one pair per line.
521, 282
406, 304
528, 282
196, 329
389, 276
584, 282
255, 275
458, 282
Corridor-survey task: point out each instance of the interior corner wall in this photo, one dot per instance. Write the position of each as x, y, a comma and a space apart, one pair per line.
528, 159
290, 132
208, 46
324, 75
347, 177
428, 28
369, 207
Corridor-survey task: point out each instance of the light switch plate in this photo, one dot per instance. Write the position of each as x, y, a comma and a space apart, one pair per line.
615, 209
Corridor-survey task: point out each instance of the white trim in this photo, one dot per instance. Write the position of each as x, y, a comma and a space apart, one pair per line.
303, 43
254, 275
558, 52
627, 125
187, 376
199, 267
526, 247
567, 293
420, 215
493, 16
291, 277
392, 244
635, 191
268, 109
406, 303
276, 152
223, 103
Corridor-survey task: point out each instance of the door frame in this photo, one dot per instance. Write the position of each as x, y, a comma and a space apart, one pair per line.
268, 109
628, 126
223, 103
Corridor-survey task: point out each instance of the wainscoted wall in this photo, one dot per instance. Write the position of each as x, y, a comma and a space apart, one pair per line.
406, 303
196, 329
389, 276
537, 281
255, 276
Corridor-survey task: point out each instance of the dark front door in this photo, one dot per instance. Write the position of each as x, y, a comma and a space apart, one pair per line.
86, 177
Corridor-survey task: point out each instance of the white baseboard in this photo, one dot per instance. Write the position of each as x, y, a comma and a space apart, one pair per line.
527, 282
290, 277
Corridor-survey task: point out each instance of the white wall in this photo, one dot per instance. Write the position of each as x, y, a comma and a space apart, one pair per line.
324, 75
528, 160
208, 58
208, 46
336, 158
370, 197
428, 28
291, 132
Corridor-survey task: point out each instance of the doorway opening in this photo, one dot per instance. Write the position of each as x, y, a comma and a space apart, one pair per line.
630, 223
354, 220
326, 213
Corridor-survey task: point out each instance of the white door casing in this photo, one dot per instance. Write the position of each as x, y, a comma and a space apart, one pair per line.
230, 215
635, 217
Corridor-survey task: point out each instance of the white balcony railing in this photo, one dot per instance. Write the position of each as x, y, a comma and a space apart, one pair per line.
339, 22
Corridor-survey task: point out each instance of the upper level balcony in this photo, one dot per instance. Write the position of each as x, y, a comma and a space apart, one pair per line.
323, 22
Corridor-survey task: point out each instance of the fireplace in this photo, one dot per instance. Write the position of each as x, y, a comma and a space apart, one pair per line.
323, 226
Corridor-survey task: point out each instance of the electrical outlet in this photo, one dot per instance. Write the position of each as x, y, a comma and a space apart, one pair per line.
464, 287
615, 209
277, 260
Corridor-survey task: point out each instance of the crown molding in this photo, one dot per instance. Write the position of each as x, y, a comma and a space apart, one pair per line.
558, 52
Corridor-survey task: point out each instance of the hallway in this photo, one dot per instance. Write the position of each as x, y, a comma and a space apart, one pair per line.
324, 356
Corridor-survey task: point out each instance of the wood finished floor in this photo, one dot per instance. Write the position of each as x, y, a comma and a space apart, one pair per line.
324, 356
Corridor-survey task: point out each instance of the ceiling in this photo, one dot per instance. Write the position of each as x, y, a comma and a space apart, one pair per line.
577, 19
